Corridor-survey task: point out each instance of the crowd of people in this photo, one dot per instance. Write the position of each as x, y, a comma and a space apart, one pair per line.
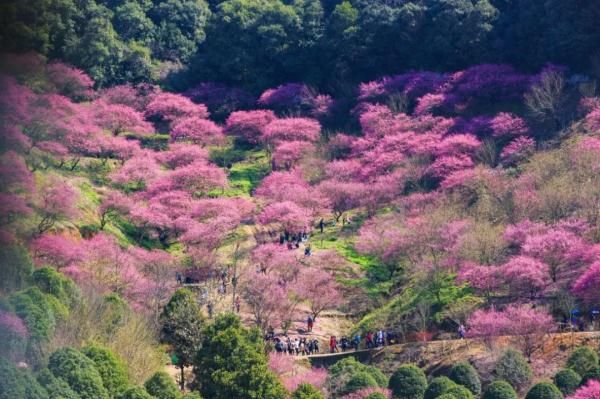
298, 346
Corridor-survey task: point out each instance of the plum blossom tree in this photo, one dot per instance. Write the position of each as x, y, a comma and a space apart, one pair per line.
57, 251
196, 130
589, 391
286, 154
181, 154
319, 289
276, 259
119, 118
592, 120
485, 279
137, 171
446, 165
525, 275
170, 107
517, 150
198, 178
289, 129
287, 214
342, 196
113, 203
70, 82
248, 125
55, 201
586, 286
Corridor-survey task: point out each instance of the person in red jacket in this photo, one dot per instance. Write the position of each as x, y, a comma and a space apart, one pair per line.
333, 344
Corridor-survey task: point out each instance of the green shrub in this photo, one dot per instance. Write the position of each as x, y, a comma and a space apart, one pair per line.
359, 380
79, 372
161, 385
112, 369
446, 396
544, 390
513, 368
191, 395
16, 267
499, 390
408, 382
567, 381
32, 306
135, 393
56, 387
464, 374
593, 374
33, 389
582, 360
460, 392
344, 370
10, 381
56, 284
438, 386
307, 391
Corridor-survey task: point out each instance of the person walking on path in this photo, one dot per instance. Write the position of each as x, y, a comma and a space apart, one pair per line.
309, 323
333, 347
461, 331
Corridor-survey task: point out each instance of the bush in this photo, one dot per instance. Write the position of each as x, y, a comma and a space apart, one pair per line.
79, 372
408, 382
56, 387
376, 395
499, 390
162, 386
446, 396
593, 374
135, 393
112, 370
544, 390
344, 370
191, 395
33, 389
582, 360
359, 380
16, 267
54, 283
460, 392
464, 374
31, 306
307, 391
10, 381
438, 386
567, 381
513, 368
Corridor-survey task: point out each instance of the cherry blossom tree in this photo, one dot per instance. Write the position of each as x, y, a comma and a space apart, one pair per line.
56, 250
485, 279
458, 144
525, 275
113, 203
196, 130
181, 154
446, 165
592, 120
342, 196
517, 150
137, 171
586, 286
248, 125
70, 82
276, 259
287, 214
286, 154
198, 177
119, 118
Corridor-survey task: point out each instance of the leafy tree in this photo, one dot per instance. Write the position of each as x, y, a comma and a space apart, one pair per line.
513, 368
33, 389
499, 390
161, 385
438, 386
56, 387
231, 363
306, 391
464, 374
408, 382
16, 267
544, 390
79, 372
357, 381
567, 380
10, 381
582, 360
56, 284
182, 325
135, 393
112, 369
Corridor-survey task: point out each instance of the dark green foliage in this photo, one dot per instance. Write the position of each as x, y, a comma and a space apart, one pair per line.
376, 395
56, 387
446, 396
582, 360
161, 385
112, 369
593, 374
79, 372
10, 381
408, 382
464, 374
54, 283
344, 370
513, 368
135, 393
182, 325
16, 266
460, 392
544, 390
438, 386
33, 389
499, 390
191, 395
231, 363
358, 380
567, 381
33, 307
307, 391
